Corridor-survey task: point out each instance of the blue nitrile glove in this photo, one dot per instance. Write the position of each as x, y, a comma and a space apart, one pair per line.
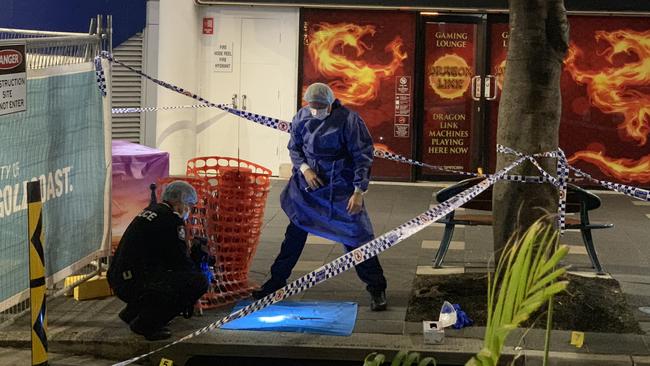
462, 320
207, 272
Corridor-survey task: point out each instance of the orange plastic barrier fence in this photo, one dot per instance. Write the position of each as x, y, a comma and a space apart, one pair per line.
230, 213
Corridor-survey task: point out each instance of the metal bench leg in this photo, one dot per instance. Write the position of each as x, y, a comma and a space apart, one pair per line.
444, 243
591, 250
589, 242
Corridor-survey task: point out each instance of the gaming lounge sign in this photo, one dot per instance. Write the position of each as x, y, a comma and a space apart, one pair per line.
13, 79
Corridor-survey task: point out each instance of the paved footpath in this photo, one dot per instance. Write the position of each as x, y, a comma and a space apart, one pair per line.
22, 357
92, 327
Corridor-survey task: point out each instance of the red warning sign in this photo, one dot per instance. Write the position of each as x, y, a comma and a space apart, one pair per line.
208, 25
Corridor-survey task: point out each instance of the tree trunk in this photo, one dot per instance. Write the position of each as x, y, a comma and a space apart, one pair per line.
529, 112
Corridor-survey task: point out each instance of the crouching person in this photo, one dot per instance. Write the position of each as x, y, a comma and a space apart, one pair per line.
153, 271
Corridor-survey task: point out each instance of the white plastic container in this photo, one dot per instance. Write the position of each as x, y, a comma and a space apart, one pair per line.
447, 316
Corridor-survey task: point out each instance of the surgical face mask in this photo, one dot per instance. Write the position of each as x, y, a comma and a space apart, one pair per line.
319, 113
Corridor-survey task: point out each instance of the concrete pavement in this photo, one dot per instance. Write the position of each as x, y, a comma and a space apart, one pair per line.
92, 327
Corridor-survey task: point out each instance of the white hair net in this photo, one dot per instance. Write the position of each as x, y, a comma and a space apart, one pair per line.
319, 93
179, 191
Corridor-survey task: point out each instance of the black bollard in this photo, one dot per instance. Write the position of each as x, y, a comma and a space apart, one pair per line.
153, 200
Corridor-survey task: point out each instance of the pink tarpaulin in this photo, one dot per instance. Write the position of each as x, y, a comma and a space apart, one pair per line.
135, 167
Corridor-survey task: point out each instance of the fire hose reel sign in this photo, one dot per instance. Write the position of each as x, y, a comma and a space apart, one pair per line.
222, 57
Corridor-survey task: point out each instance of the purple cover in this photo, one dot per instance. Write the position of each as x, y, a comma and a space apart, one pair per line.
135, 167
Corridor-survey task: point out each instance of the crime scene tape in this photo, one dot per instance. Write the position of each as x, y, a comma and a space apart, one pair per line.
101, 78
563, 168
402, 232
634, 192
560, 182
152, 109
275, 123
349, 260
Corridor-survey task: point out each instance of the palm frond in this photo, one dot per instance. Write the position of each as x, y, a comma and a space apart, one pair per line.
402, 358
525, 278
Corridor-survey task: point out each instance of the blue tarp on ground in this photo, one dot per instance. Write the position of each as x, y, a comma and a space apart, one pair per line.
329, 318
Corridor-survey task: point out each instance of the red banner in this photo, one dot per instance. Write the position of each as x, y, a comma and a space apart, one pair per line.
367, 57
448, 105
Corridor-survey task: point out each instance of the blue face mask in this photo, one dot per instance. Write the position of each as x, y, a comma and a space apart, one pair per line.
320, 114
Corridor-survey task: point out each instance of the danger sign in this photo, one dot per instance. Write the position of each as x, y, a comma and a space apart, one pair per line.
13, 79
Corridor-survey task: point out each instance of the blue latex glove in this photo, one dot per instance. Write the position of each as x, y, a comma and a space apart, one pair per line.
207, 272
462, 320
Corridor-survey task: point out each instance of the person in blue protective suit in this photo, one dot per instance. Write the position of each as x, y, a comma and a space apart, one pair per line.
332, 151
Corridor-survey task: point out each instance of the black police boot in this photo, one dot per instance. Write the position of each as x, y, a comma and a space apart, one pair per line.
149, 334
378, 300
268, 288
129, 313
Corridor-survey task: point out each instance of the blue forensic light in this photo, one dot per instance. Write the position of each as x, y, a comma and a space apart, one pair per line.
272, 319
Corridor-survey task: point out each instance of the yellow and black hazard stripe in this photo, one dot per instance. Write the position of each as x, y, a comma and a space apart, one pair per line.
37, 274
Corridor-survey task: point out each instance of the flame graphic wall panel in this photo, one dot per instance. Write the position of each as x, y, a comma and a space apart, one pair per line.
606, 90
368, 60
605, 96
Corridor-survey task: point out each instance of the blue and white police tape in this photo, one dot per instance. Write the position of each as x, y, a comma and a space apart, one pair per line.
634, 192
152, 109
560, 182
281, 125
349, 260
391, 238
562, 177
285, 125
164, 84
100, 77
267, 121
544, 178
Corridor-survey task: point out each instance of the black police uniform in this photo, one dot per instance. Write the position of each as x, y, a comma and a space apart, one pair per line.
152, 270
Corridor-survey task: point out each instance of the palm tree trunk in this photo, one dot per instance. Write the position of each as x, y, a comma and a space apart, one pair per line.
529, 111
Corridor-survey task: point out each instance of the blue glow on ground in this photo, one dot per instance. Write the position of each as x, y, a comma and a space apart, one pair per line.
330, 318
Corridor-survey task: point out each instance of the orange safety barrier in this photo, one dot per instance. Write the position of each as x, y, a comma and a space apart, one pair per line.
232, 196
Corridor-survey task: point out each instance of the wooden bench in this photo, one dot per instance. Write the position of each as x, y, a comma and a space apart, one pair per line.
578, 201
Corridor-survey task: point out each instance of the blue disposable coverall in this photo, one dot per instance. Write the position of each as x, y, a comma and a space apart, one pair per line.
339, 150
